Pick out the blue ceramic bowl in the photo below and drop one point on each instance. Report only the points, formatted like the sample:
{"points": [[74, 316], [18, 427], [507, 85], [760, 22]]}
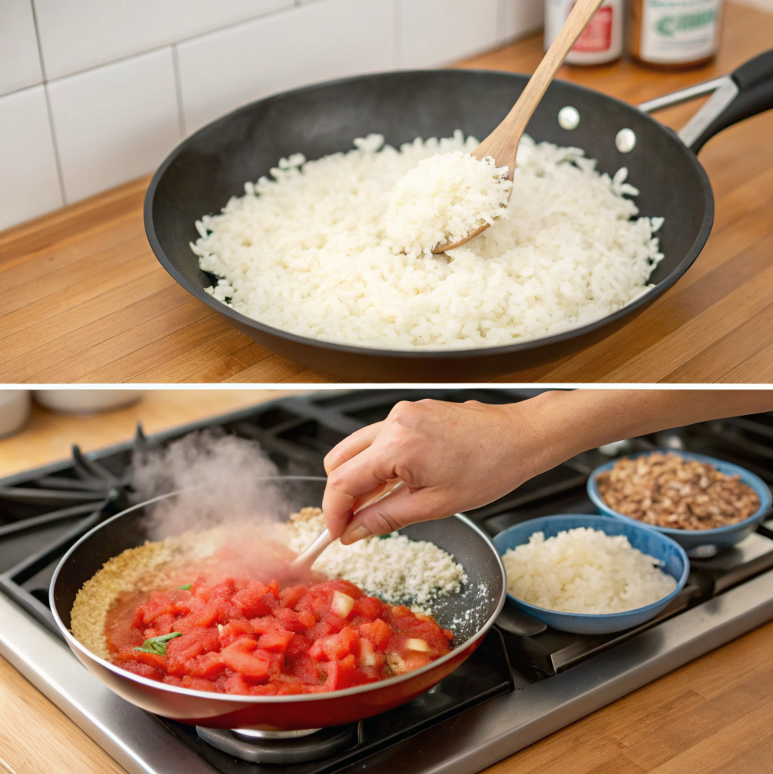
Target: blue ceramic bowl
{"points": [[695, 540], [672, 555]]}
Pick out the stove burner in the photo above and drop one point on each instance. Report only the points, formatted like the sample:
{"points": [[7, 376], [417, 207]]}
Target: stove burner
{"points": [[286, 747], [248, 734]]}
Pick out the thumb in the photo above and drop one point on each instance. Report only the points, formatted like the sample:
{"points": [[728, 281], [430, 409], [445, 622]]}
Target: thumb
{"points": [[395, 510]]}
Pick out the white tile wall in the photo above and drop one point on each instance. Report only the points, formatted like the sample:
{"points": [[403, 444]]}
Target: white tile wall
{"points": [[78, 34], [114, 123], [29, 183], [323, 40], [520, 17], [124, 76], [19, 57], [433, 32]]}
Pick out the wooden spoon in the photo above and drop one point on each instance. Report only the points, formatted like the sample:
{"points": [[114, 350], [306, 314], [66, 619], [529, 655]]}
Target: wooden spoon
{"points": [[300, 567], [502, 143]]}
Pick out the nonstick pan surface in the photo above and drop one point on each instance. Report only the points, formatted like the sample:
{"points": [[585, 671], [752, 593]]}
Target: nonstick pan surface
{"points": [[469, 614], [212, 165]]}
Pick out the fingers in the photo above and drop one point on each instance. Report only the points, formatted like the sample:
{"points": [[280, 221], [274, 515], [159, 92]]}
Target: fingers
{"points": [[398, 509], [351, 446], [375, 494], [359, 476]]}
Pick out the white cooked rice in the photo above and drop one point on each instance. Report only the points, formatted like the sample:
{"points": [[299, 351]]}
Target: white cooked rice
{"points": [[443, 199], [307, 252], [584, 571]]}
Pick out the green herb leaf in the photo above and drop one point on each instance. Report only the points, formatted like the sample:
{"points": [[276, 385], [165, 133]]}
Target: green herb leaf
{"points": [[186, 587], [157, 645]]}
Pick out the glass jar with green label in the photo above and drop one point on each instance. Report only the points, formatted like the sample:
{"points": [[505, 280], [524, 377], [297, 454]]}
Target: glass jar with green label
{"points": [[675, 33]]}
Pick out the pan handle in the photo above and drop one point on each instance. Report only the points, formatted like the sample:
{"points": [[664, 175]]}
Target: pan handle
{"points": [[746, 92]]}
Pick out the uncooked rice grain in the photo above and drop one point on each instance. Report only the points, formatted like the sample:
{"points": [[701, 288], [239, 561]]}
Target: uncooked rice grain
{"points": [[584, 571], [394, 567]]}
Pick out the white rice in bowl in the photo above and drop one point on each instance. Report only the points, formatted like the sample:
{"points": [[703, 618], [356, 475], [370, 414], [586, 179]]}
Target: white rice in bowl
{"points": [[585, 571], [307, 251]]}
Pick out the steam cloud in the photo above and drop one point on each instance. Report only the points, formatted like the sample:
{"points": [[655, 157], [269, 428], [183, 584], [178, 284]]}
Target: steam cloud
{"points": [[219, 480]]}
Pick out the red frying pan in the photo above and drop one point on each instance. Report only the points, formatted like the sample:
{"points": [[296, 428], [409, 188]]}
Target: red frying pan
{"points": [[469, 614]]}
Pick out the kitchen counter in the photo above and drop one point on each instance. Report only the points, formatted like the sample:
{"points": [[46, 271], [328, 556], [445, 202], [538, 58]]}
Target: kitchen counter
{"points": [[86, 300], [714, 714]]}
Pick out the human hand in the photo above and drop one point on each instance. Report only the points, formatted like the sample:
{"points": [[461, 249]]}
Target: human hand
{"points": [[451, 457]]}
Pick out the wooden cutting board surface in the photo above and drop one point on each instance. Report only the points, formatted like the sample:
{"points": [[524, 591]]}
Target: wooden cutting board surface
{"points": [[713, 715], [86, 300]]}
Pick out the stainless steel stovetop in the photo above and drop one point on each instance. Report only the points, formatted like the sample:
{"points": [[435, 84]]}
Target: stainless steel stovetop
{"points": [[523, 684]]}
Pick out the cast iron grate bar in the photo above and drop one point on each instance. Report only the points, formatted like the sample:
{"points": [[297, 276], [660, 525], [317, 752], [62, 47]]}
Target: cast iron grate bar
{"points": [[35, 522]]}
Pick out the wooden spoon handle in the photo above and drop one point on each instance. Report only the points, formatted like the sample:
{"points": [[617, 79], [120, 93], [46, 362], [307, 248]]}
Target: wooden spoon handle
{"points": [[502, 143]]}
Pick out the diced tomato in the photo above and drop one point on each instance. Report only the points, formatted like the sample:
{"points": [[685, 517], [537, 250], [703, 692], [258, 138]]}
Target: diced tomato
{"points": [[197, 684], [290, 596], [297, 646], [367, 607], [235, 683], [157, 605], [336, 646], [209, 665], [234, 629], [255, 600], [193, 644], [150, 659], [308, 670], [250, 667], [295, 621], [343, 674], [241, 636], [164, 624], [142, 669], [377, 632], [276, 641], [266, 624]]}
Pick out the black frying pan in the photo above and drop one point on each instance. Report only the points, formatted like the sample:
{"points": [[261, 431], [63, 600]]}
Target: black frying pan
{"points": [[469, 614], [204, 171]]}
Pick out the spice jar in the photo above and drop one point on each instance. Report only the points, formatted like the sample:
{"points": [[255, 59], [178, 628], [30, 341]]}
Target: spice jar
{"points": [[602, 40], [674, 34]]}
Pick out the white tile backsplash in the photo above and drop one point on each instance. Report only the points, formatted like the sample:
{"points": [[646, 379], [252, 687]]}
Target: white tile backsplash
{"points": [[319, 41], [114, 123], [125, 78], [434, 32], [29, 184], [520, 17], [19, 56], [78, 34]]}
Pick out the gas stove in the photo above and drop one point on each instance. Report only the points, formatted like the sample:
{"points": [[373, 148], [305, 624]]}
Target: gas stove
{"points": [[525, 681]]}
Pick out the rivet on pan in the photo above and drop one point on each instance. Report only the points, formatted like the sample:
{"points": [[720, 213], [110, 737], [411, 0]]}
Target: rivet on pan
{"points": [[568, 118], [625, 140]]}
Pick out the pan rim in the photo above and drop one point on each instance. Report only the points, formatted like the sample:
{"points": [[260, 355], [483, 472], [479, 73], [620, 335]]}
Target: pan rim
{"points": [[649, 295], [241, 700]]}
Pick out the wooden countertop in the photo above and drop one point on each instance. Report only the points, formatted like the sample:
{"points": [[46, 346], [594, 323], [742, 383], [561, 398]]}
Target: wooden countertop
{"points": [[714, 715], [86, 300]]}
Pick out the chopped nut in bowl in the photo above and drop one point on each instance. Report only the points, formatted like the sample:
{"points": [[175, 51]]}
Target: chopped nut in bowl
{"points": [[699, 501]]}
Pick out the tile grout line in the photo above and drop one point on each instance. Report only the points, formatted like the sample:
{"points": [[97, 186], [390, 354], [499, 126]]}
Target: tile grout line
{"points": [[162, 46], [178, 87], [49, 111]]}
